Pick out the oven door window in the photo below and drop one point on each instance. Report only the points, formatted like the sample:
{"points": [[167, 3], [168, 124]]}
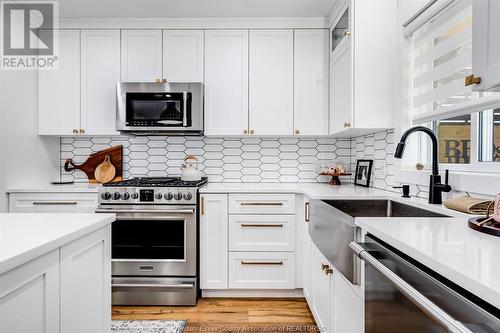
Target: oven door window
{"points": [[140, 239], [158, 109]]}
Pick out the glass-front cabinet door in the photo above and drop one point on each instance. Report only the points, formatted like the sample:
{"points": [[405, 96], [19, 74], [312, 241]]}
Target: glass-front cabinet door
{"points": [[341, 29]]}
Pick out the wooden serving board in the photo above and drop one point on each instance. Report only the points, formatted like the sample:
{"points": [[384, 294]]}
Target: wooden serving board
{"points": [[89, 166]]}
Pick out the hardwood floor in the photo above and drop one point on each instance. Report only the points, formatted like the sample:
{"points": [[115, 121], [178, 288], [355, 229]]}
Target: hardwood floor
{"points": [[230, 315]]}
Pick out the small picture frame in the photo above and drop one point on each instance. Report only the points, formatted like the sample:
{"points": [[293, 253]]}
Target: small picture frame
{"points": [[363, 173]]}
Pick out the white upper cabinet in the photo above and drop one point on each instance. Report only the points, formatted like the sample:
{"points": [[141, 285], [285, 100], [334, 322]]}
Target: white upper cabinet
{"points": [[271, 82], [311, 82], [141, 55], [486, 43], [59, 90], [100, 71], [341, 117], [364, 55], [226, 82], [183, 55]]}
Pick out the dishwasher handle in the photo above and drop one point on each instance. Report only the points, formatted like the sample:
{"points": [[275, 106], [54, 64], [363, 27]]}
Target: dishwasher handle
{"points": [[422, 302]]}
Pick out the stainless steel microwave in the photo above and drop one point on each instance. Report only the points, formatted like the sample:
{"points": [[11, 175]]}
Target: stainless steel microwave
{"points": [[160, 108]]}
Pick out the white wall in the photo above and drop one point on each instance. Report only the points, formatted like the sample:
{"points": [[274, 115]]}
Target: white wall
{"points": [[25, 158]]}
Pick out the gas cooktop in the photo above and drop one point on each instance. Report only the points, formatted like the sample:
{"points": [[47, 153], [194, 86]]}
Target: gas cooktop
{"points": [[158, 182]]}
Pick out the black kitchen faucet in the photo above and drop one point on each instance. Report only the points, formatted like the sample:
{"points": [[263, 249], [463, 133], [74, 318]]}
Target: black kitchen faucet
{"points": [[435, 186]]}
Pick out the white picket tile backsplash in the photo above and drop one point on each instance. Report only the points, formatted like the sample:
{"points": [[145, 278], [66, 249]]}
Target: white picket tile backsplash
{"points": [[221, 159]]}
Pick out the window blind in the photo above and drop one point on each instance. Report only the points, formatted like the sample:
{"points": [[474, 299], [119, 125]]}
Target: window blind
{"points": [[441, 58]]}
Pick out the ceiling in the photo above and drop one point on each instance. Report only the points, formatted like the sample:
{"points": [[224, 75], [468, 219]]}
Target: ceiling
{"points": [[193, 8]]}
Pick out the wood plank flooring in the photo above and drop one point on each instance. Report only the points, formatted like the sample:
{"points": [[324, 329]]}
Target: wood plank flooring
{"points": [[230, 315]]}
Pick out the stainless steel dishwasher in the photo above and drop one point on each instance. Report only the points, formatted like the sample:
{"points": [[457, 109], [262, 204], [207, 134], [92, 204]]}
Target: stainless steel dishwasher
{"points": [[332, 227], [402, 295]]}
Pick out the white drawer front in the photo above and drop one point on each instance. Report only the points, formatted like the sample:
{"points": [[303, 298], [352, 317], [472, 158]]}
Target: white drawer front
{"points": [[52, 202], [259, 270], [261, 204], [262, 233]]}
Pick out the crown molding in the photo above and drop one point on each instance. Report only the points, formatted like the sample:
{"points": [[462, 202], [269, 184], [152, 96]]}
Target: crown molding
{"points": [[196, 23]]}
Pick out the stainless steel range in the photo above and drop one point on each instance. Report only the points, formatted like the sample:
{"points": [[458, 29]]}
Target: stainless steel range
{"points": [[154, 240]]}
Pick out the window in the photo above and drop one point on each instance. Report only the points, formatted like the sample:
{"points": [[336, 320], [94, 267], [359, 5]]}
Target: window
{"points": [[454, 135], [467, 123]]}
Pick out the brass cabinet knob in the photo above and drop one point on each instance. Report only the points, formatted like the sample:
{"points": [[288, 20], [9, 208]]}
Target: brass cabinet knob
{"points": [[328, 271], [82, 131], [324, 266], [75, 131], [347, 125], [164, 80], [252, 131], [245, 131], [347, 33], [158, 80], [297, 131], [471, 79]]}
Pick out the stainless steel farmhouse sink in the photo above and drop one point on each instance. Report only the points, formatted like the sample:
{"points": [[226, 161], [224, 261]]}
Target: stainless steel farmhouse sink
{"points": [[332, 226], [380, 208]]}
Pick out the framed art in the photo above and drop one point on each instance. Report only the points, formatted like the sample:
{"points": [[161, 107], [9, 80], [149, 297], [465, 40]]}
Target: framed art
{"points": [[363, 173]]}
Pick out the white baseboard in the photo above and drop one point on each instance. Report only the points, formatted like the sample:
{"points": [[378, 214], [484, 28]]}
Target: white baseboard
{"points": [[252, 293]]}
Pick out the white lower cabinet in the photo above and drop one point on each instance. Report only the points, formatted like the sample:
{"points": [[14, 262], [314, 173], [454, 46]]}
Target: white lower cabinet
{"points": [[262, 232], [261, 270], [335, 303], [52, 202], [347, 307], [29, 296], [86, 283], [321, 304], [213, 241], [66, 290]]}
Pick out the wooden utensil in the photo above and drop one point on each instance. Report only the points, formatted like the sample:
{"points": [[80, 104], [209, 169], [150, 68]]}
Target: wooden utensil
{"points": [[94, 160], [105, 172]]}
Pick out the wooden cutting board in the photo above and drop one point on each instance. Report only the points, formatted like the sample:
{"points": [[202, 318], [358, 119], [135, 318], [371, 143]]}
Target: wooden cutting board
{"points": [[89, 166]]}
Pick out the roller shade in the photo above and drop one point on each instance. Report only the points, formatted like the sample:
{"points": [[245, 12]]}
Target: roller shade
{"points": [[441, 58]]}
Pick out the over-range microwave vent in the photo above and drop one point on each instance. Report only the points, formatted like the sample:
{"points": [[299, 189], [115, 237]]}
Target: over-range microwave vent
{"points": [[165, 108]]}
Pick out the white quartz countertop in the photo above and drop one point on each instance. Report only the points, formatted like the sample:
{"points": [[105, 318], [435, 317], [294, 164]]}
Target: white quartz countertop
{"points": [[448, 246], [49, 188], [23, 237], [311, 190]]}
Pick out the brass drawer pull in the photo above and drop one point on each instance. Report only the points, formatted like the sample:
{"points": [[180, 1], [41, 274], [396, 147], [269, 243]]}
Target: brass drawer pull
{"points": [[262, 225], [264, 263], [307, 212], [262, 204], [42, 203]]}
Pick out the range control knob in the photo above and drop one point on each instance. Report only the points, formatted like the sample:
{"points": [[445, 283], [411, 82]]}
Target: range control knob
{"points": [[116, 196], [178, 196], [106, 196], [187, 196], [158, 196], [168, 196], [125, 196], [135, 195]]}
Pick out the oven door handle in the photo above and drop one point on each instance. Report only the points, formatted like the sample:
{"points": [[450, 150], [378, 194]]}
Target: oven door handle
{"points": [[152, 285], [422, 302], [131, 211]]}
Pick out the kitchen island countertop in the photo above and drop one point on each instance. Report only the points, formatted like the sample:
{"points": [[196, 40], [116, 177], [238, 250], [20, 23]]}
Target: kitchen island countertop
{"points": [[25, 236]]}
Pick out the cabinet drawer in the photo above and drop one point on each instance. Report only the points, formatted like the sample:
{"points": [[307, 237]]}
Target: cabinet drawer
{"points": [[52, 202], [262, 233], [259, 270], [261, 204]]}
